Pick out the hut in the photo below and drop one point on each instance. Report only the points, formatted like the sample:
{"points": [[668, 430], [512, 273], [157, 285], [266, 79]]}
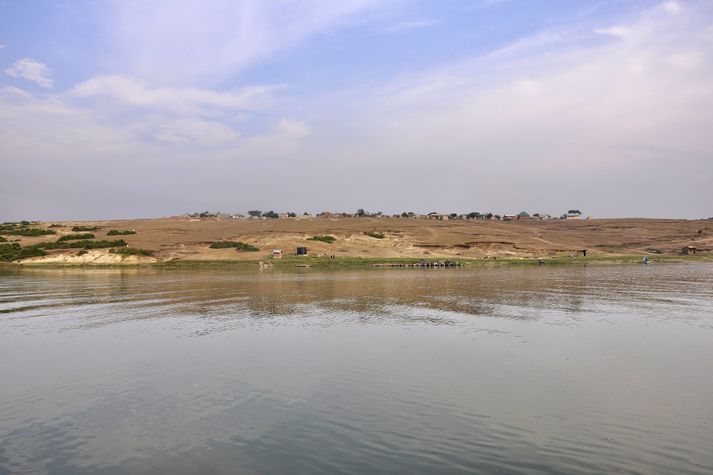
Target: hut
{"points": [[582, 252], [301, 251], [689, 250]]}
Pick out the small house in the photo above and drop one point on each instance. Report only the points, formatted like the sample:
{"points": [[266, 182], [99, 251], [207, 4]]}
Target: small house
{"points": [[277, 254], [437, 216], [301, 251], [689, 250]]}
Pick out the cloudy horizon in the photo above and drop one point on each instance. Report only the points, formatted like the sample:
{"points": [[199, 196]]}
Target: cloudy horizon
{"points": [[128, 109]]}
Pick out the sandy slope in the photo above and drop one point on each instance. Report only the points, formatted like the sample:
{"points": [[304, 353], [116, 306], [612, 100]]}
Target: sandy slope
{"points": [[188, 239]]}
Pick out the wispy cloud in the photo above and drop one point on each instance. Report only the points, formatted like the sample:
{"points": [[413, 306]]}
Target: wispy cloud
{"points": [[126, 92], [31, 70], [182, 41]]}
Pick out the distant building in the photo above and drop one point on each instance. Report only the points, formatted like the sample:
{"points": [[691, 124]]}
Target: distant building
{"points": [[689, 250], [522, 215], [301, 251], [573, 214], [277, 254], [437, 216]]}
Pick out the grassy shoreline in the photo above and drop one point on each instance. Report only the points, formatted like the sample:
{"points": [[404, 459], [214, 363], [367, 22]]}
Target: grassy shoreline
{"points": [[312, 262]]}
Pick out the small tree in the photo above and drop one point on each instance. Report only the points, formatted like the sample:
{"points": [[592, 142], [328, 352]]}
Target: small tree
{"points": [[255, 213], [360, 212], [291, 215], [271, 214]]}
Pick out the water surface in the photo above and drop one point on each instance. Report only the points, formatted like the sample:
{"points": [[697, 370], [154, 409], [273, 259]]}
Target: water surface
{"points": [[596, 369]]}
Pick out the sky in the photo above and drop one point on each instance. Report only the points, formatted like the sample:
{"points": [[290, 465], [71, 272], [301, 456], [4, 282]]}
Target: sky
{"points": [[127, 109]]}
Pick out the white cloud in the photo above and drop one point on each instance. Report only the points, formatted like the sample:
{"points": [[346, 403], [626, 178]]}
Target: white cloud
{"points": [[31, 70], [671, 7], [195, 132], [126, 92], [2, 45], [293, 127], [183, 41], [613, 31]]}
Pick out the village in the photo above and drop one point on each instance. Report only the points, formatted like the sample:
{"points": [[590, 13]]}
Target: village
{"points": [[435, 216]]}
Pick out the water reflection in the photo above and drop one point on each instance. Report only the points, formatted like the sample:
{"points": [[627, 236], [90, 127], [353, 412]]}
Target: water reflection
{"points": [[510, 370]]}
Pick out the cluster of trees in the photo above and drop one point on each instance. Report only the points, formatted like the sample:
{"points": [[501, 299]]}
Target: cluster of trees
{"points": [[269, 214]]}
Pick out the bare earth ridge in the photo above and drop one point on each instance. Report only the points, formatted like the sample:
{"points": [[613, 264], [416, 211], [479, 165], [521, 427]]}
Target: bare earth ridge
{"points": [[187, 239]]}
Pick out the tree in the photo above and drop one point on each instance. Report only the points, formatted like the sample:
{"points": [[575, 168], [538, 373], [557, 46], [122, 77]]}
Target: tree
{"points": [[292, 215], [453, 215], [271, 214], [255, 213], [360, 212]]}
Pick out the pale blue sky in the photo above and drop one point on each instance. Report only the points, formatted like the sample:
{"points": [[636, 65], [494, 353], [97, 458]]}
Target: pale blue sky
{"points": [[138, 108]]}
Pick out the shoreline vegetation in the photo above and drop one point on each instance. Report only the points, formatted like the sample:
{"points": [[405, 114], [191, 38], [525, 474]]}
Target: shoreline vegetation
{"points": [[356, 242], [357, 262]]}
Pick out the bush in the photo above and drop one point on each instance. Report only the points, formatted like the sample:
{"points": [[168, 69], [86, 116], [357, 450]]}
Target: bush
{"points": [[29, 232], [13, 252], [116, 232], [74, 237], [131, 251], [82, 244], [223, 244], [79, 229], [376, 235], [243, 246], [240, 246], [327, 239], [2, 239]]}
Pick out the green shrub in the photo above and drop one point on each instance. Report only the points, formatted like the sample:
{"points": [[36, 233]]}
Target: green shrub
{"points": [[327, 239], [223, 244], [2, 239], [81, 244], [240, 246], [56, 225], [116, 232], [13, 252], [131, 251], [243, 246], [79, 229], [29, 232], [74, 237], [375, 234]]}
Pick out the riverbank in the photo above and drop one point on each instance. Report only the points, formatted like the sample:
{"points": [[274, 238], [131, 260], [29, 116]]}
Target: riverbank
{"points": [[351, 242], [314, 262]]}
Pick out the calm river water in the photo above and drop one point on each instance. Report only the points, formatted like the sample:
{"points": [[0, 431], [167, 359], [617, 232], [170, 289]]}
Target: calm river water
{"points": [[597, 369]]}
